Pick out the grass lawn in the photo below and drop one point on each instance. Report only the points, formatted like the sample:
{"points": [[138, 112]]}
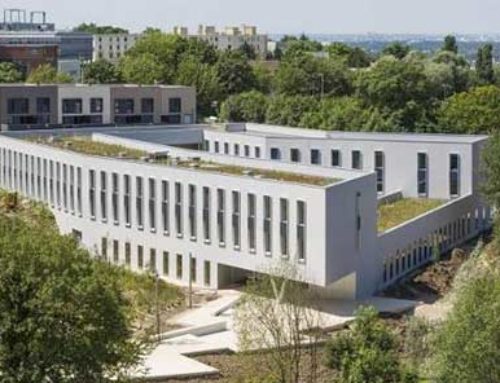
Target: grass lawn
{"points": [[393, 214]]}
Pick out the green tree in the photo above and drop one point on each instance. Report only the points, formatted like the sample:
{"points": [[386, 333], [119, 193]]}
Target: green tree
{"points": [[100, 72], [491, 169], [245, 107], [289, 110], [94, 29], [63, 317], [397, 50], [143, 69], [248, 51], [484, 65], [450, 44], [9, 73], [467, 347], [47, 74], [472, 112], [235, 73], [368, 353], [306, 75], [354, 57]]}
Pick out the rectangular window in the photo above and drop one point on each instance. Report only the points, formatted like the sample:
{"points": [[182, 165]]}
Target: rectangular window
{"points": [[147, 106], [206, 214], [179, 266], [226, 148], [104, 195], [72, 106], [58, 184], [206, 273], [114, 198], [166, 264], [92, 193], [51, 185], [64, 185], [152, 260], [192, 211], [216, 147], [357, 160], [315, 157], [104, 248], [275, 154], [247, 150], [96, 105], [127, 199], [128, 257], [124, 106], [178, 209], [268, 225], [79, 191], [116, 251], [295, 155], [221, 216], [174, 105], [379, 169], [152, 204], [257, 152], [236, 149], [140, 257], [18, 106], [236, 219], [422, 174], [301, 231], [165, 207], [454, 175], [336, 158], [71, 188], [139, 202], [43, 105], [284, 236], [193, 269], [252, 210]]}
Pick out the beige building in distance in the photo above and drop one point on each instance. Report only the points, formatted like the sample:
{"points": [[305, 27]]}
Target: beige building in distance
{"points": [[230, 38], [112, 47]]}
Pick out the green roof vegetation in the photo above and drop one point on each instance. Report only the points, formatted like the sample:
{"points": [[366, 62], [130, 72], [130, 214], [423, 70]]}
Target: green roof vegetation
{"points": [[393, 214], [85, 145]]}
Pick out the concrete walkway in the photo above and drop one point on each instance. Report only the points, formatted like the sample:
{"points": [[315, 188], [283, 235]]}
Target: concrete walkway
{"points": [[208, 329]]}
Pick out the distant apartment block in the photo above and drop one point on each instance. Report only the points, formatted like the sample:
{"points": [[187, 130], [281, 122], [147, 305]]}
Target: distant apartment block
{"points": [[231, 38], [29, 106], [112, 47]]}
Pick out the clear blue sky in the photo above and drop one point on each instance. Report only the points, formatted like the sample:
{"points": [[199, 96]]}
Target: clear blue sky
{"points": [[281, 16]]}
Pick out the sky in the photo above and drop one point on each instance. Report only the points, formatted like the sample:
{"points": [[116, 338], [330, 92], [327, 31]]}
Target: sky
{"points": [[279, 16]]}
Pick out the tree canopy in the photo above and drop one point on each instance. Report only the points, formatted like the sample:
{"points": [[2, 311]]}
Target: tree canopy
{"points": [[9, 73], [47, 74], [95, 29]]}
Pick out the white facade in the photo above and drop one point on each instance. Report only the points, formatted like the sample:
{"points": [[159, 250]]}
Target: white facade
{"points": [[112, 47], [141, 214]]}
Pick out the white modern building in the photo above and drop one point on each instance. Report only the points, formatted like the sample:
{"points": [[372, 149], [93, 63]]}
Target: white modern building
{"points": [[215, 204], [112, 47], [230, 38]]}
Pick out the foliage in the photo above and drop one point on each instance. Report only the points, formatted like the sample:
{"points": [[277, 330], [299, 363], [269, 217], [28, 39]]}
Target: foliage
{"points": [[142, 69], [289, 111], [354, 57], [467, 347], [450, 44], [101, 72], [293, 46], [419, 337], [47, 74], [94, 29], [249, 106], [62, 315], [472, 112], [397, 49], [309, 76], [273, 315], [484, 65], [367, 353], [248, 51], [491, 169], [9, 73], [234, 72]]}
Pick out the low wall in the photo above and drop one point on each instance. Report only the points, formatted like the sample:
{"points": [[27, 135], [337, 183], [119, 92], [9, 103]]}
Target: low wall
{"points": [[406, 247]]}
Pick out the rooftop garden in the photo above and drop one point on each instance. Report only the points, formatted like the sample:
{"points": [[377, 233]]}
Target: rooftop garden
{"points": [[85, 145], [395, 213]]}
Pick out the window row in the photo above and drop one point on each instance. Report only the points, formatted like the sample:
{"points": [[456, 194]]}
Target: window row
{"points": [[234, 149]]}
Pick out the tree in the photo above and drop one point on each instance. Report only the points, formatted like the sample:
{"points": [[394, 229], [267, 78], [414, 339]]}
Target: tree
{"points": [[248, 51], [9, 73], [289, 111], [94, 29], [309, 76], [100, 72], [397, 50], [491, 169], [47, 74], [277, 314], [450, 44], [234, 72], [473, 112], [143, 69], [484, 65], [467, 347], [245, 107], [62, 315], [354, 57], [367, 353]]}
